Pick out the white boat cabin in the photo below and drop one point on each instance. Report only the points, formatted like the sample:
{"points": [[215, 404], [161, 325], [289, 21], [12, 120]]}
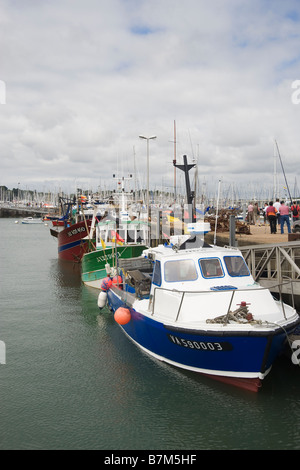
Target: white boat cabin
{"points": [[194, 285], [209, 268]]}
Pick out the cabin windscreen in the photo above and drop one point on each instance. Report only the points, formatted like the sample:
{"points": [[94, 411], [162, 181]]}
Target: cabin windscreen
{"points": [[181, 270], [236, 266], [211, 267]]}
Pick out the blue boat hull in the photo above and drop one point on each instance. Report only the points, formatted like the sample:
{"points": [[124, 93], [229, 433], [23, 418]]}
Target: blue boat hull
{"points": [[242, 359]]}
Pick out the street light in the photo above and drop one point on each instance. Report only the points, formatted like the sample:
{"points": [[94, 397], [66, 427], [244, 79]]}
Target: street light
{"points": [[147, 138]]}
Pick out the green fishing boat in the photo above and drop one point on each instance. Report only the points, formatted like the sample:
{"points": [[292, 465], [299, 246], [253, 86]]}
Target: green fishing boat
{"points": [[126, 239]]}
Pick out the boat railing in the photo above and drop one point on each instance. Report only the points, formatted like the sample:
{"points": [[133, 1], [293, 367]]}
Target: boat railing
{"points": [[176, 302]]}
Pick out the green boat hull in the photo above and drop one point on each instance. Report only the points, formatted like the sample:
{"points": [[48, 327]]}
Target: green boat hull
{"points": [[93, 264]]}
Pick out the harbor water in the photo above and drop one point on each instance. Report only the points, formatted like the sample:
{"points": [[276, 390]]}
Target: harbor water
{"points": [[73, 380]]}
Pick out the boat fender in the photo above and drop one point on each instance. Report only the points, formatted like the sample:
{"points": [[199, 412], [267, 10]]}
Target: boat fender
{"points": [[117, 280], [106, 284], [102, 298], [122, 316]]}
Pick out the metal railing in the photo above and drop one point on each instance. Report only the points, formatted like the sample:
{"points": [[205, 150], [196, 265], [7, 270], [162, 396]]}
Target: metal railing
{"points": [[268, 263]]}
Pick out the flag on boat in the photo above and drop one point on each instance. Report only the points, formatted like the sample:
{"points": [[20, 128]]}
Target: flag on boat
{"points": [[103, 244], [119, 239]]}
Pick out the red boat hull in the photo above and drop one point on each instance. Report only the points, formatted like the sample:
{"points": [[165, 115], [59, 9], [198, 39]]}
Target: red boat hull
{"points": [[57, 223], [72, 241]]}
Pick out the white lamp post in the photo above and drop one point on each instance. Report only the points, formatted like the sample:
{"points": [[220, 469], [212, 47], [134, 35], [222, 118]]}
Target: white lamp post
{"points": [[147, 138]]}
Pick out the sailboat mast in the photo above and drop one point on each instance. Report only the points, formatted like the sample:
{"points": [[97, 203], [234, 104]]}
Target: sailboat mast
{"points": [[174, 161], [287, 186], [275, 175]]}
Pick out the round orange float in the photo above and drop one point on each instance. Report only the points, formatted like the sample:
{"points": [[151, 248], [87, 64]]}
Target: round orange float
{"points": [[122, 315], [117, 281]]}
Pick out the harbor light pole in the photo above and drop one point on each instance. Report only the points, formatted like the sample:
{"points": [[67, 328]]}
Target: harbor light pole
{"points": [[147, 138]]}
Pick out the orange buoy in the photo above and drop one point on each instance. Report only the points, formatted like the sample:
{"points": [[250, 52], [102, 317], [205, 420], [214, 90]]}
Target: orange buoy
{"points": [[122, 315], [117, 281], [106, 284]]}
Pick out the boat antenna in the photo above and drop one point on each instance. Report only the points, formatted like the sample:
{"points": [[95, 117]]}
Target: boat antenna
{"points": [[174, 161], [189, 194], [287, 186]]}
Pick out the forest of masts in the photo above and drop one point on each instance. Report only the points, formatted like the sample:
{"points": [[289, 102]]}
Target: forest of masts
{"points": [[226, 195]]}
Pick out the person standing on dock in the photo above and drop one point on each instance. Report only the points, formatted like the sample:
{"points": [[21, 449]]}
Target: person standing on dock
{"points": [[256, 211], [295, 211], [265, 214], [284, 217], [271, 214], [250, 214], [277, 206]]}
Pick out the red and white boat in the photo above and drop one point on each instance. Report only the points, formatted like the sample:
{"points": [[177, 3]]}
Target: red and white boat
{"points": [[74, 241], [74, 238]]}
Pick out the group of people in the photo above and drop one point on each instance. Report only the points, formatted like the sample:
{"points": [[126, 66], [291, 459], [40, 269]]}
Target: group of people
{"points": [[277, 214], [253, 213]]}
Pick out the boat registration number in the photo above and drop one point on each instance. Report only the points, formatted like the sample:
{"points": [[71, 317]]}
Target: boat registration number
{"points": [[201, 345], [75, 231]]}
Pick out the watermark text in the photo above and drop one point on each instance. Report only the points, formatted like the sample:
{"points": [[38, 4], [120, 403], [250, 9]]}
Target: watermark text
{"points": [[296, 353], [296, 94]]}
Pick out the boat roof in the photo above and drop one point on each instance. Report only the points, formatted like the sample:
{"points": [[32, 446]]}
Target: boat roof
{"points": [[171, 251]]}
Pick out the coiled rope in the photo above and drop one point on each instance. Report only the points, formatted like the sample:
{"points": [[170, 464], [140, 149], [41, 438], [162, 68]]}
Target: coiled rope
{"points": [[240, 315]]}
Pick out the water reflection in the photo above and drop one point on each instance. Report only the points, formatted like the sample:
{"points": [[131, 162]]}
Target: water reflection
{"points": [[65, 274]]}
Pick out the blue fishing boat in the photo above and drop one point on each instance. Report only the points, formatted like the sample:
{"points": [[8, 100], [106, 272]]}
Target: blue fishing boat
{"points": [[200, 309], [196, 306]]}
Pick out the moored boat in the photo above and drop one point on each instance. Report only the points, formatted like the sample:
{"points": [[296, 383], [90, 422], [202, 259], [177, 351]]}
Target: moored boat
{"points": [[31, 220], [119, 235], [74, 238], [114, 241], [74, 241], [58, 223], [200, 309], [196, 306]]}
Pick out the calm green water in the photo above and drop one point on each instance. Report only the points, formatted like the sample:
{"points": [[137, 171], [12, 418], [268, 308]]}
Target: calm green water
{"points": [[72, 380]]}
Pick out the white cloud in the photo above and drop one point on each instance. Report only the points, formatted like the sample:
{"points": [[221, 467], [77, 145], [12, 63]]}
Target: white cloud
{"points": [[84, 79]]}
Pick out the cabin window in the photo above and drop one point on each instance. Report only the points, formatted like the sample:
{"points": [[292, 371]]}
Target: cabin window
{"points": [[211, 267], [156, 277], [182, 270], [236, 266]]}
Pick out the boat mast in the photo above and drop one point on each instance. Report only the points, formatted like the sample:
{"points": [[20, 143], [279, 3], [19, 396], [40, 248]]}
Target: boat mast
{"points": [[275, 176], [189, 194], [174, 162], [287, 186]]}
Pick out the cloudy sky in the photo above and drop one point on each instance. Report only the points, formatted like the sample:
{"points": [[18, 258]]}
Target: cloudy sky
{"points": [[82, 79]]}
